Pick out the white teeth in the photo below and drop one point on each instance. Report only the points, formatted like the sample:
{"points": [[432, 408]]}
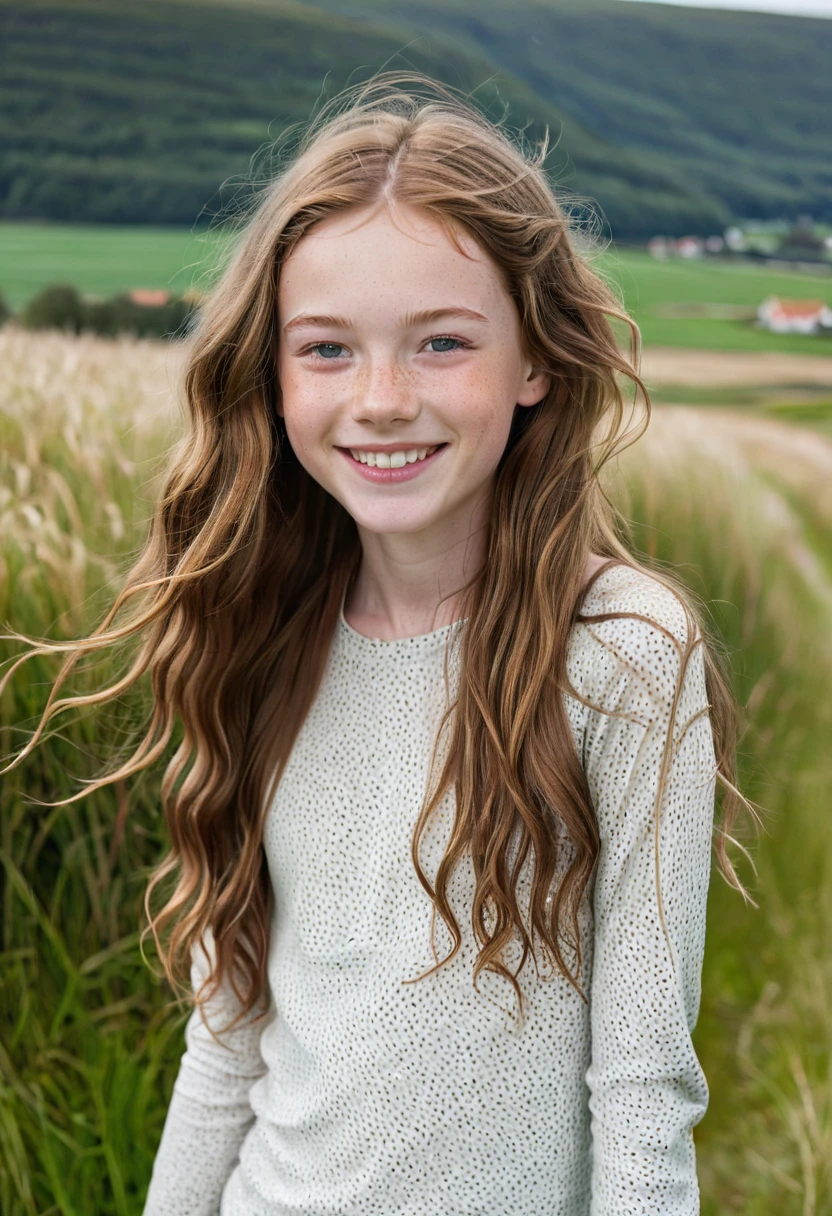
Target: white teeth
{"points": [[391, 460]]}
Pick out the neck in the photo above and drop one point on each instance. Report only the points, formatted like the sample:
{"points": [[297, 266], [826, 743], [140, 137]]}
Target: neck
{"points": [[408, 585]]}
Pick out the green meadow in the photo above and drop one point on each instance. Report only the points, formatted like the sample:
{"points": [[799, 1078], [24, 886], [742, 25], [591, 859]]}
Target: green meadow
{"points": [[739, 501], [671, 301], [100, 259]]}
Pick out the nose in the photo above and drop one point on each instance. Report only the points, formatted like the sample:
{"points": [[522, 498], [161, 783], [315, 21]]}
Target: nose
{"points": [[384, 392]]}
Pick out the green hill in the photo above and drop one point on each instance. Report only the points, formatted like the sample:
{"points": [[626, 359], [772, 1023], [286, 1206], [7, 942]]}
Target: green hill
{"points": [[150, 111], [737, 104]]}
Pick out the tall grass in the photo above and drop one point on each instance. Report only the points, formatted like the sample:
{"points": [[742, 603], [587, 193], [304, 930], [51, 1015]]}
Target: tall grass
{"points": [[90, 1043], [744, 506], [88, 1054]]}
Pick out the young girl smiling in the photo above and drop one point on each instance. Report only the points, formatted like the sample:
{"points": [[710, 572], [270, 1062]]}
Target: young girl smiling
{"points": [[442, 814]]}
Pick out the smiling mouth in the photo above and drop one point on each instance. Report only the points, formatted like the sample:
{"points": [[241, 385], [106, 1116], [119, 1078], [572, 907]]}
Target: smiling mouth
{"points": [[394, 459]]}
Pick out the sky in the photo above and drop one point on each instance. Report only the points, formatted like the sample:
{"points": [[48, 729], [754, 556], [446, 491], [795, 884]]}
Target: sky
{"points": [[795, 8]]}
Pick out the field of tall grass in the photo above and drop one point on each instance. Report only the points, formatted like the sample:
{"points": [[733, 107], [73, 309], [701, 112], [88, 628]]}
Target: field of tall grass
{"points": [[90, 1046]]}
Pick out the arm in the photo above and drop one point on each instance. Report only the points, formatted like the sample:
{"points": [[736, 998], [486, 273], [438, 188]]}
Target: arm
{"points": [[647, 1087], [209, 1112]]}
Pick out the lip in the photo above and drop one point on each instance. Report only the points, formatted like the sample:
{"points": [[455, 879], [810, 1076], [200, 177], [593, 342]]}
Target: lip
{"points": [[385, 447], [389, 476]]}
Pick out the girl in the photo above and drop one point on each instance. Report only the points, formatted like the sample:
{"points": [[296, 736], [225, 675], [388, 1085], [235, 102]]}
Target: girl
{"points": [[419, 673]]}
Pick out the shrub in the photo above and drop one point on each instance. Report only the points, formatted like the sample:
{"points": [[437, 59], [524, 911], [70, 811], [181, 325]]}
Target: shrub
{"points": [[120, 314], [58, 306]]}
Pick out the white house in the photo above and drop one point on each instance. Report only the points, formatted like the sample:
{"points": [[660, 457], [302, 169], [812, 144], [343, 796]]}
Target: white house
{"points": [[659, 247], [794, 316]]}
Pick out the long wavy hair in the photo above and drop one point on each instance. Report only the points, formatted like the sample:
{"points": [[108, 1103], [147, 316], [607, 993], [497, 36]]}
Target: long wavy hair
{"points": [[234, 597]]}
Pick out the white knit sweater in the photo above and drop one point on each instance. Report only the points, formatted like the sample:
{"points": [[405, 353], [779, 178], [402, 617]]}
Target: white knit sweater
{"points": [[359, 1095]]}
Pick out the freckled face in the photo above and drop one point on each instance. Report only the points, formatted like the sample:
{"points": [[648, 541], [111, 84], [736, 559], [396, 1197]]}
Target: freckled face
{"points": [[377, 374]]}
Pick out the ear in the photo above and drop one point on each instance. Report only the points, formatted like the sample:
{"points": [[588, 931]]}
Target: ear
{"points": [[535, 386]]}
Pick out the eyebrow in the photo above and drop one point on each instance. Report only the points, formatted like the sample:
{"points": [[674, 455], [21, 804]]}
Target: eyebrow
{"points": [[426, 316]]}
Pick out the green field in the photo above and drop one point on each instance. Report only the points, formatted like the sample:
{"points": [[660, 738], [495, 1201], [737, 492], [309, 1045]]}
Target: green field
{"points": [[653, 288], [104, 260], [99, 260]]}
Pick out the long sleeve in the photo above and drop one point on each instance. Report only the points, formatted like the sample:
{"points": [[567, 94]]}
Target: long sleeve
{"points": [[647, 1089], [209, 1112]]}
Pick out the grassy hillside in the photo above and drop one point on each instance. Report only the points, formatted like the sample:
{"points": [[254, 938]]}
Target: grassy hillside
{"points": [[676, 303], [156, 113], [736, 102], [149, 111]]}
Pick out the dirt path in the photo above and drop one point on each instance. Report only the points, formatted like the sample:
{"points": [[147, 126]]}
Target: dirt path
{"points": [[724, 368]]}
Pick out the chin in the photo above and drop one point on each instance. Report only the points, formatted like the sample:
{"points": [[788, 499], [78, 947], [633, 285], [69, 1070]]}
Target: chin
{"points": [[384, 522]]}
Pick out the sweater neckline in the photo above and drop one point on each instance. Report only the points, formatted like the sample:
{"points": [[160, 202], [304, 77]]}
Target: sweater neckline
{"points": [[421, 641], [416, 642]]}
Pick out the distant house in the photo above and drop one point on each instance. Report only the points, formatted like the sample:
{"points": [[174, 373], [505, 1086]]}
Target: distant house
{"points": [[148, 297], [794, 316], [663, 247], [659, 247], [689, 247]]}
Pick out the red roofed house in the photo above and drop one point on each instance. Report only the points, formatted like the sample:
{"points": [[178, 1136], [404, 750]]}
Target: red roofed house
{"points": [[794, 316], [148, 297], [690, 247]]}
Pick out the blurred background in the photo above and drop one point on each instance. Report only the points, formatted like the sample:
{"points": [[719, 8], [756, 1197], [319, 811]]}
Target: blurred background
{"points": [[693, 144]]}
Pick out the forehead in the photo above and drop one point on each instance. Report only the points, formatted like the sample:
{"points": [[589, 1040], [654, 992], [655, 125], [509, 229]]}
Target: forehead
{"points": [[382, 252]]}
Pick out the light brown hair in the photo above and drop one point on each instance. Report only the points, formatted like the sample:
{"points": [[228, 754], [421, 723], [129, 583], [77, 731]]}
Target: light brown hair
{"points": [[236, 593]]}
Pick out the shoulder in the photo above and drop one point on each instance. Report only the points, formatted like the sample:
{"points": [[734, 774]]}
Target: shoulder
{"points": [[634, 635], [622, 592]]}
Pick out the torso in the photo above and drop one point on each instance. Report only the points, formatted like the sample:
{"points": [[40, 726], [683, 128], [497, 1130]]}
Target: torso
{"points": [[380, 1095]]}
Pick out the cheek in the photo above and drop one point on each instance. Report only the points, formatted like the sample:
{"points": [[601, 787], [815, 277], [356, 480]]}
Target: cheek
{"points": [[303, 405], [294, 382], [486, 408], [491, 443], [306, 429]]}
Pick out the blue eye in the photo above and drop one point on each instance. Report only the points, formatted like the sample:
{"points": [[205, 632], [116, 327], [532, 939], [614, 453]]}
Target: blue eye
{"points": [[316, 351], [447, 351], [318, 346]]}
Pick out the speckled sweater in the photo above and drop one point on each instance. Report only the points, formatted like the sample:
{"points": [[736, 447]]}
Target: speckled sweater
{"points": [[360, 1095]]}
